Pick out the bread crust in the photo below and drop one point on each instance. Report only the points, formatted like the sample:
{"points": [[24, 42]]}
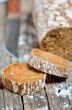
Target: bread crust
{"points": [[48, 66], [23, 88], [52, 19]]}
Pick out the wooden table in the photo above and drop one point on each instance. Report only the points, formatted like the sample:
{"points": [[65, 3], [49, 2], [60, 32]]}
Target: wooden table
{"points": [[57, 94]]}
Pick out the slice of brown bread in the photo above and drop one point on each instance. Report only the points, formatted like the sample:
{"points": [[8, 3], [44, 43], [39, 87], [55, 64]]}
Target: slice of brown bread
{"points": [[49, 63], [22, 79]]}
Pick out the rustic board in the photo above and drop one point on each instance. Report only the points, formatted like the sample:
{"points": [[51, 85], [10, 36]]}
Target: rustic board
{"points": [[1, 100], [36, 101], [69, 88], [17, 103], [8, 99], [59, 93]]}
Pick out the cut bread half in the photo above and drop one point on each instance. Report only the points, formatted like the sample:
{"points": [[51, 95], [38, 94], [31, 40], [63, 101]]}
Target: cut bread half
{"points": [[23, 79], [50, 63]]}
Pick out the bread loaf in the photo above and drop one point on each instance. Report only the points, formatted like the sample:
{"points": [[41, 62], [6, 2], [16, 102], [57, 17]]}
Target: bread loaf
{"points": [[23, 79], [53, 21], [50, 63]]}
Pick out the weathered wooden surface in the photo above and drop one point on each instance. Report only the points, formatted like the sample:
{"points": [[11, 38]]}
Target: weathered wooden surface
{"points": [[36, 101], [1, 100], [57, 95]]}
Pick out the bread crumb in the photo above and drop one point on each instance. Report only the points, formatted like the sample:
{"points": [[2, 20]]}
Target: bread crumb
{"points": [[11, 73]]}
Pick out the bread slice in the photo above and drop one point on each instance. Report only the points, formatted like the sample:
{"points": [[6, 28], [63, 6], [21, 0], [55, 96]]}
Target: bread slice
{"points": [[49, 63], [22, 79]]}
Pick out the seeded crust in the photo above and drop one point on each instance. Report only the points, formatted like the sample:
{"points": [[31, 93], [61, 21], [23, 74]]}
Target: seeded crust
{"points": [[22, 79], [50, 63]]}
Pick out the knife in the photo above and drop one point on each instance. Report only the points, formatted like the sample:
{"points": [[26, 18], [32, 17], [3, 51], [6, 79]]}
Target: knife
{"points": [[11, 36]]}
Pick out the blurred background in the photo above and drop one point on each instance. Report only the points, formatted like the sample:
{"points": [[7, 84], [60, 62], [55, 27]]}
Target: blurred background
{"points": [[17, 27]]}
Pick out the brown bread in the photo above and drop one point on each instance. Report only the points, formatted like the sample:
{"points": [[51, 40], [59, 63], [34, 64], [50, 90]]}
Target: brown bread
{"points": [[50, 63], [23, 79], [53, 21]]}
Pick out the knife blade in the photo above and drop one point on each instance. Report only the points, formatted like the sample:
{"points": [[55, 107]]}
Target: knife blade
{"points": [[11, 36]]}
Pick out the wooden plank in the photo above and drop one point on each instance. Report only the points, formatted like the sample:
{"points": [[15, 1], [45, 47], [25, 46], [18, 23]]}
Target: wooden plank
{"points": [[36, 101], [69, 89], [58, 94], [12, 101], [8, 100], [17, 102], [1, 100], [53, 100], [63, 97]]}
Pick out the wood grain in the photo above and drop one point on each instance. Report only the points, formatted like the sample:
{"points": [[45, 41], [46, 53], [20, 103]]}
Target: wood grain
{"points": [[1, 100], [69, 88], [36, 101], [17, 103], [58, 95], [8, 99]]}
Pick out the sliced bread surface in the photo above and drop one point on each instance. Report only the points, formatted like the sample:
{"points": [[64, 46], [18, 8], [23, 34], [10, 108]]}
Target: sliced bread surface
{"points": [[22, 79], [50, 63]]}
